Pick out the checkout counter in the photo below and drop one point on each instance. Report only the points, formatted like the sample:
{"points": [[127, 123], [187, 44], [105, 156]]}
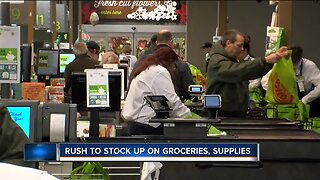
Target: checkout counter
{"points": [[284, 154], [287, 151]]}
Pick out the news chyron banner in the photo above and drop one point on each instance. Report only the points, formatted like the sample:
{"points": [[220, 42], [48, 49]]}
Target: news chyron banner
{"points": [[142, 152]]}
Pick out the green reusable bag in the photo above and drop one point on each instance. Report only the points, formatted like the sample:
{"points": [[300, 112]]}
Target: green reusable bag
{"points": [[315, 124], [282, 88], [197, 77], [283, 111], [303, 110], [89, 170], [282, 93], [293, 112], [256, 97], [211, 130], [194, 116]]}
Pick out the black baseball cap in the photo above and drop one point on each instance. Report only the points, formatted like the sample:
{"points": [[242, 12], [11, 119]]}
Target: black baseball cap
{"points": [[206, 45]]}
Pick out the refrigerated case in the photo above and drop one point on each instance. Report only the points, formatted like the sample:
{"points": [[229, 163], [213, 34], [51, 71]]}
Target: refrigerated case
{"points": [[114, 37]]}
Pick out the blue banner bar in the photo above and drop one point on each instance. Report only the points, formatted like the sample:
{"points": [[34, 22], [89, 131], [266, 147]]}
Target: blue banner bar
{"points": [[142, 152], [166, 152], [40, 152]]}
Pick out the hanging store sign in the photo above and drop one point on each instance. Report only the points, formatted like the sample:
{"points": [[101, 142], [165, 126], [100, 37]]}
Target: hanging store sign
{"points": [[18, 14], [132, 10], [97, 88], [62, 22], [43, 15], [9, 54]]}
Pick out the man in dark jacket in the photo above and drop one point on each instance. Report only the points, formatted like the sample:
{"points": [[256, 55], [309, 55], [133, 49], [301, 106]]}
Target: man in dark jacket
{"points": [[182, 76], [12, 140], [229, 78], [82, 62], [150, 50]]}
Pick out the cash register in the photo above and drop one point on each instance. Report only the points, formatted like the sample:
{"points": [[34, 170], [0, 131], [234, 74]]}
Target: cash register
{"points": [[181, 127], [196, 92], [160, 104]]}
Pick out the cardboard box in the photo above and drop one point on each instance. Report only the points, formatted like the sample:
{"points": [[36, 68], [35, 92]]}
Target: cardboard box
{"points": [[33, 91]]}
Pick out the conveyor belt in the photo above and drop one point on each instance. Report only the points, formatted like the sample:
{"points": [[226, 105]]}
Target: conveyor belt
{"points": [[261, 123], [276, 134]]}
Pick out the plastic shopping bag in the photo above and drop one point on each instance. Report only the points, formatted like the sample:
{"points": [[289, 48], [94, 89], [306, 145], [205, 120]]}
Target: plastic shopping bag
{"points": [[282, 88], [197, 76]]}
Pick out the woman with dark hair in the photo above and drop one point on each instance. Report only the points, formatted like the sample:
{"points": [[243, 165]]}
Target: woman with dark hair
{"points": [[151, 77]]}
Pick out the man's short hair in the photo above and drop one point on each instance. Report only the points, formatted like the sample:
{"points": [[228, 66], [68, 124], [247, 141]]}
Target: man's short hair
{"points": [[93, 45], [246, 44], [80, 48], [297, 52], [230, 35], [109, 57], [206, 45], [164, 37]]}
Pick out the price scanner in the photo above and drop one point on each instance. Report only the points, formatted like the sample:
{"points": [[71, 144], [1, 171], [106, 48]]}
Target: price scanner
{"points": [[160, 104]]}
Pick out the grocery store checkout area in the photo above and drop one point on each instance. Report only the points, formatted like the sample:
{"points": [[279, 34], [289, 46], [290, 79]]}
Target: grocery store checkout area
{"points": [[287, 151]]}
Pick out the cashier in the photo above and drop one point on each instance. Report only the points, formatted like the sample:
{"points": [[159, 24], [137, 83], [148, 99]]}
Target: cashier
{"points": [[151, 77]]}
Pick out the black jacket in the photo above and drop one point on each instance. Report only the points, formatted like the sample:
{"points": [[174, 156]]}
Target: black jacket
{"points": [[182, 76], [81, 63]]}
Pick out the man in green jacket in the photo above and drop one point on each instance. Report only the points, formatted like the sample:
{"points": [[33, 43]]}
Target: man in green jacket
{"points": [[229, 78]]}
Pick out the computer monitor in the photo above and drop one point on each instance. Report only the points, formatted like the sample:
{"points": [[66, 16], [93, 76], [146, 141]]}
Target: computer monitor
{"points": [[24, 113], [79, 91], [126, 74], [25, 54], [125, 60], [121, 71], [47, 62], [66, 57], [212, 101], [195, 90], [22, 116]]}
